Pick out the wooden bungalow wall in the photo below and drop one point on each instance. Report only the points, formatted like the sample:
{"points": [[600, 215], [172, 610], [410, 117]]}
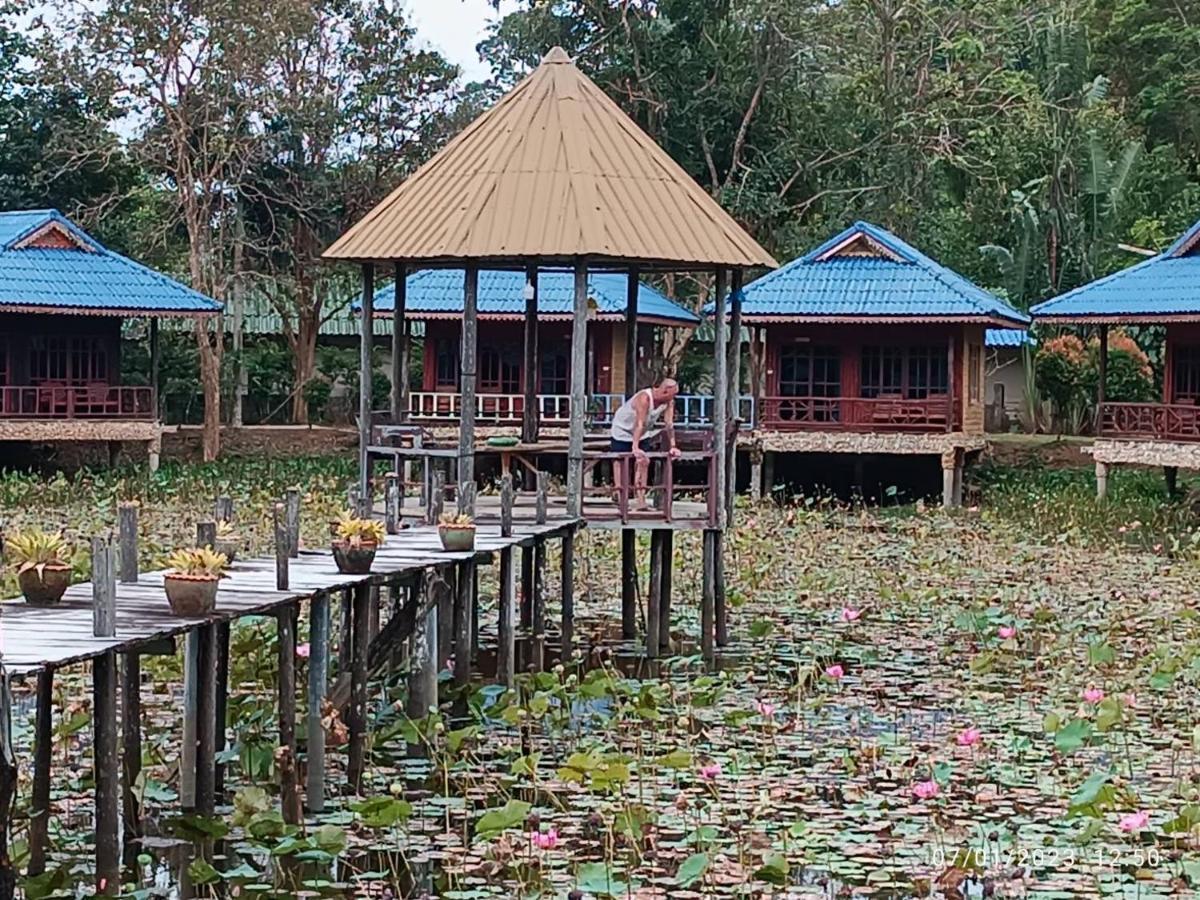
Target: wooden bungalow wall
{"points": [[20, 331], [1183, 342]]}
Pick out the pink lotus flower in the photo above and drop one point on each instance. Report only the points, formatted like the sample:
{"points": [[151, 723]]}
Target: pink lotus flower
{"points": [[302, 651], [765, 708], [1134, 821], [850, 614], [926, 790], [1131, 699], [544, 841], [1006, 632], [969, 737], [1093, 695], [835, 671], [709, 771]]}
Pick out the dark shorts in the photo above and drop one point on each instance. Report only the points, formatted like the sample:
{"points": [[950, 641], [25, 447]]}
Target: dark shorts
{"points": [[619, 446]]}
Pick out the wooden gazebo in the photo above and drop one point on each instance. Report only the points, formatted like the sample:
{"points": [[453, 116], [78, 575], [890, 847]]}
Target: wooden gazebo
{"points": [[555, 176]]}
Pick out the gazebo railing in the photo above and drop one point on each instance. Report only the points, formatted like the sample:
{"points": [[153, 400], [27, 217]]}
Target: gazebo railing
{"points": [[1150, 421], [67, 401]]}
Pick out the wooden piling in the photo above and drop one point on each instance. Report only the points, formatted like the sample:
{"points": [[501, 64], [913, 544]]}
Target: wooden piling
{"points": [[131, 749], [527, 589], [8, 789], [345, 631], [282, 547], [366, 334], [654, 601], [579, 387], [391, 503], [467, 374], [292, 508], [530, 413], [223, 509], [437, 502], [285, 756], [318, 674], [538, 636], [629, 576], [206, 721], [542, 500], [668, 576], [466, 498], [104, 589], [708, 596], [423, 669], [443, 591], [222, 630], [107, 768], [567, 590], [720, 609], [127, 531], [464, 604], [506, 649], [356, 721], [43, 750], [191, 714]]}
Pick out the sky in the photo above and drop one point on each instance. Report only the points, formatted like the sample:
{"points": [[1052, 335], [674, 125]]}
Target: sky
{"points": [[454, 27]]}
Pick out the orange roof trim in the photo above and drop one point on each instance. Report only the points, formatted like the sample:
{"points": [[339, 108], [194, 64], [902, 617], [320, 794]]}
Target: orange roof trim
{"points": [[555, 171]]}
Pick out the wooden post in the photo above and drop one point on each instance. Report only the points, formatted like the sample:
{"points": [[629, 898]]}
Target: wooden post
{"points": [[470, 339], [391, 503], [567, 588], [285, 756], [206, 722], [282, 545], [721, 610], [400, 364], [734, 401], [443, 590], [527, 590], [668, 577], [543, 500], [223, 509], [423, 669], [206, 534], [191, 715], [466, 498], [131, 746], [708, 596], [107, 768], [104, 589], [506, 650], [1102, 380], [292, 504], [437, 501], [629, 575], [955, 377], [720, 393], [464, 603], [579, 388], [43, 749], [632, 291], [318, 673], [506, 506], [531, 412], [538, 642], [221, 632], [1171, 475], [654, 603], [127, 531], [356, 720], [366, 334]]}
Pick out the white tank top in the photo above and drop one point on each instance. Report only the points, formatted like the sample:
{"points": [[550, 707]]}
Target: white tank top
{"points": [[625, 418]]}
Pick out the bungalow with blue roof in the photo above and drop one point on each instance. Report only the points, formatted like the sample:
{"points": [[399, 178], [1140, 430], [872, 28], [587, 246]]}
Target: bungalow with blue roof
{"points": [[63, 298], [435, 298], [1165, 291], [866, 345]]}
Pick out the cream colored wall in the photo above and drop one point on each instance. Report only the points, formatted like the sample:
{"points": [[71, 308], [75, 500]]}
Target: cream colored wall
{"points": [[974, 384]]}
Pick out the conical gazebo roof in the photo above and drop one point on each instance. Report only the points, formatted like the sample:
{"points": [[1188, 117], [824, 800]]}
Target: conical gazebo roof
{"points": [[554, 172]]}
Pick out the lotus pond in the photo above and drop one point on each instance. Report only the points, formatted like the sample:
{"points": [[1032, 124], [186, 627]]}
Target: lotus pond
{"points": [[916, 704]]}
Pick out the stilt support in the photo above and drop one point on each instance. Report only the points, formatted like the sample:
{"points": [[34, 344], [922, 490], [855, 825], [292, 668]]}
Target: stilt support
{"points": [[318, 675], [1101, 480], [629, 579], [285, 756], [506, 651], [356, 721], [43, 749], [568, 596], [107, 768]]}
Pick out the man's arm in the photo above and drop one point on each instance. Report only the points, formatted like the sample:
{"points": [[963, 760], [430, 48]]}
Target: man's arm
{"points": [[641, 409], [669, 428]]}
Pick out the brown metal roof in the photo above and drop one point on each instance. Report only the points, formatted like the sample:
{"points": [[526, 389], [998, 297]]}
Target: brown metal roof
{"points": [[555, 171]]}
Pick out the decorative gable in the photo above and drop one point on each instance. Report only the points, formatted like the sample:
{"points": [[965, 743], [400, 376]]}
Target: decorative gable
{"points": [[53, 236], [860, 245]]}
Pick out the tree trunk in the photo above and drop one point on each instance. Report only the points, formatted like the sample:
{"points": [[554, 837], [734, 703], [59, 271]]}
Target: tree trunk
{"points": [[210, 380], [304, 361]]}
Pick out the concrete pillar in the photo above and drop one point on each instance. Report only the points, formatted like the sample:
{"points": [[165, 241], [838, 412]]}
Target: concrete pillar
{"points": [[154, 451], [756, 477], [952, 478], [947, 486], [1101, 480], [768, 477], [959, 465]]}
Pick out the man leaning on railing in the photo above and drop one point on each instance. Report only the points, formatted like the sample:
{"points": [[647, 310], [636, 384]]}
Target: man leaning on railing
{"points": [[634, 427]]}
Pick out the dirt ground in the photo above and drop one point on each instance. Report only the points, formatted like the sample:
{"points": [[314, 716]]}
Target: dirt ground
{"points": [[263, 440], [1051, 451]]}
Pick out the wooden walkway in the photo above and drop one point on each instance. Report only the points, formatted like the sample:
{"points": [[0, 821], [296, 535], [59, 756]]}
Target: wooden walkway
{"points": [[32, 638]]}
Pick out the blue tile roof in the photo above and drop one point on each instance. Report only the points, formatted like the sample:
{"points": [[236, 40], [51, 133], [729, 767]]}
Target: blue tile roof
{"points": [[439, 292], [1007, 337], [91, 280], [897, 281], [1160, 287]]}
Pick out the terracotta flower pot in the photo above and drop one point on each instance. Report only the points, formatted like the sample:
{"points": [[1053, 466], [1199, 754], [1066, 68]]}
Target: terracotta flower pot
{"points": [[191, 596], [457, 538], [45, 588], [354, 559]]}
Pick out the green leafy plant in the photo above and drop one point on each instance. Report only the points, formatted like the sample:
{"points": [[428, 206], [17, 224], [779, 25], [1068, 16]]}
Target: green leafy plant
{"points": [[456, 520], [360, 531], [198, 562], [36, 549]]}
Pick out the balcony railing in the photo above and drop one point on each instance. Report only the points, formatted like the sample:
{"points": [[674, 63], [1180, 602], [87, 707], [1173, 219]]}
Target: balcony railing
{"points": [[90, 401], [691, 410], [1150, 421], [866, 414]]}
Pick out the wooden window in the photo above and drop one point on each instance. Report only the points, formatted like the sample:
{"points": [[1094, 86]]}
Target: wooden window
{"points": [[808, 371], [70, 360], [975, 373], [4, 363], [913, 373], [555, 374], [446, 363], [1185, 374], [499, 370], [49, 360]]}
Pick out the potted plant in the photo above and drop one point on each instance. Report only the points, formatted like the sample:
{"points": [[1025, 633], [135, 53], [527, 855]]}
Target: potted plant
{"points": [[42, 573], [457, 532], [228, 542], [355, 545], [192, 581]]}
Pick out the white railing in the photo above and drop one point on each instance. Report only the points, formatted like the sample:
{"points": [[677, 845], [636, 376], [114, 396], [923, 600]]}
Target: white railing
{"points": [[691, 410]]}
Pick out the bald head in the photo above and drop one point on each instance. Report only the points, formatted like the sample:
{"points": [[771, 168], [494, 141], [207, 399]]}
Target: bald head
{"points": [[666, 390]]}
